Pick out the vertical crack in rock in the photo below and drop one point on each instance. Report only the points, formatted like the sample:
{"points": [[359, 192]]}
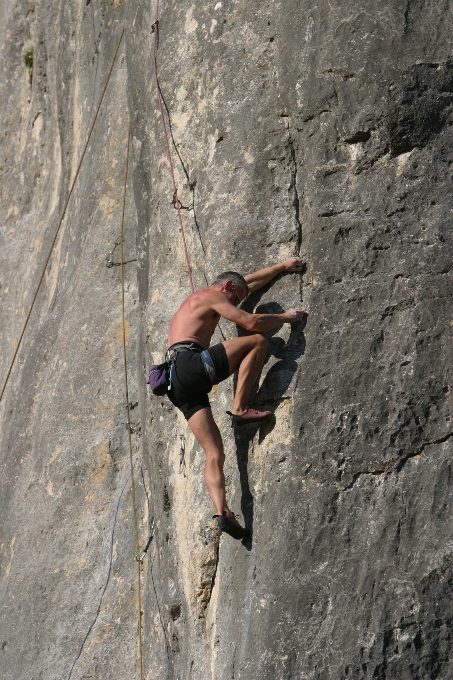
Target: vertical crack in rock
{"points": [[146, 490], [98, 611], [296, 203], [406, 16], [361, 158]]}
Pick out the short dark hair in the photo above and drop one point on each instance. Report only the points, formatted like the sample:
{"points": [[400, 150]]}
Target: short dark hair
{"points": [[237, 279]]}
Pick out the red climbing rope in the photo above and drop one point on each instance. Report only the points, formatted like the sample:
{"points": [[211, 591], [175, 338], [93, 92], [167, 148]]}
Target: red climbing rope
{"points": [[175, 190]]}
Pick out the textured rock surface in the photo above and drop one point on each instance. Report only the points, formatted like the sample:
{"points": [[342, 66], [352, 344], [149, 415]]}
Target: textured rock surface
{"points": [[321, 130], [68, 592]]}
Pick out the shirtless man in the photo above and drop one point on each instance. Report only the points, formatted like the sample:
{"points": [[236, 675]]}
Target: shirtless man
{"points": [[196, 368]]}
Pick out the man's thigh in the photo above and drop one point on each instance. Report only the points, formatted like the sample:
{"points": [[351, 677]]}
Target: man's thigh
{"points": [[237, 348], [205, 430], [188, 405]]}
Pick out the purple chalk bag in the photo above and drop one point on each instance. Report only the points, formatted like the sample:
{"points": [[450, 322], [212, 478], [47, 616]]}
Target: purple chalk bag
{"points": [[159, 378]]}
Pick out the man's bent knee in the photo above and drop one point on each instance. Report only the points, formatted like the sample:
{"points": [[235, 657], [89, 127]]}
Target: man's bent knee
{"points": [[215, 456], [262, 342]]}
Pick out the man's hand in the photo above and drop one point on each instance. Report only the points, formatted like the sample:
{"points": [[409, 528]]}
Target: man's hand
{"points": [[262, 277], [292, 264], [294, 315]]}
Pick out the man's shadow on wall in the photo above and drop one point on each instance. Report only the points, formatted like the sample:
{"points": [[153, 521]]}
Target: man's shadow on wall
{"points": [[269, 394]]}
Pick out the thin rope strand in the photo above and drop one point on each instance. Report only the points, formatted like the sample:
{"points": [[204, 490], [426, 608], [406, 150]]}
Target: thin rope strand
{"points": [[175, 190], [62, 217], [123, 306]]}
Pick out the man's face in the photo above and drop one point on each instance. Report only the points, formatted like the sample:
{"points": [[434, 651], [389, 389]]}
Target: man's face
{"points": [[236, 295]]}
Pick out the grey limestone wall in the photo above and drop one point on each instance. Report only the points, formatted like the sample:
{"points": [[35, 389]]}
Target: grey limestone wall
{"points": [[323, 131]]}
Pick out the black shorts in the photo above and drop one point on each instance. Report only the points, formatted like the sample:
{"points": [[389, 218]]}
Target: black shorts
{"points": [[190, 384]]}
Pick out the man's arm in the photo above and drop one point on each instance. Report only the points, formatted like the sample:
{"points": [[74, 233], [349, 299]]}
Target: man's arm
{"points": [[259, 279], [255, 322]]}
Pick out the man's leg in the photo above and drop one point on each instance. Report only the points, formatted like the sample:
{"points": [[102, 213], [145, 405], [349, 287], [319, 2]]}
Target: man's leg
{"points": [[208, 435], [246, 355]]}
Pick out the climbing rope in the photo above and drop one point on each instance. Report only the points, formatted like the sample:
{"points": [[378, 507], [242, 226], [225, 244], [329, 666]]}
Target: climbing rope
{"points": [[137, 540], [61, 217], [176, 202], [110, 263]]}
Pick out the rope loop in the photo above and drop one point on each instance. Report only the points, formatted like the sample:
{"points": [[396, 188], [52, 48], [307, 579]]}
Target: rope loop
{"points": [[175, 199], [109, 257], [167, 144]]}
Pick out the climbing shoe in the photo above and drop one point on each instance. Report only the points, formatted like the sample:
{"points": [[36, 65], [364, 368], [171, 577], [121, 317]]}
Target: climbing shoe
{"points": [[250, 415], [224, 523]]}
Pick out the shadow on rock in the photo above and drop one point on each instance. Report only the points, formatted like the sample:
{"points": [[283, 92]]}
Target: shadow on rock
{"points": [[271, 393], [242, 437], [278, 377]]}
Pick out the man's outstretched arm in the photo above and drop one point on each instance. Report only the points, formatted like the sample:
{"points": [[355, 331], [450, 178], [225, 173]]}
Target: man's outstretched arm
{"points": [[257, 323], [259, 279]]}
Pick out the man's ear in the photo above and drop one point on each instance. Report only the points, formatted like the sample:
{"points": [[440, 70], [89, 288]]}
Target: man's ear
{"points": [[228, 284]]}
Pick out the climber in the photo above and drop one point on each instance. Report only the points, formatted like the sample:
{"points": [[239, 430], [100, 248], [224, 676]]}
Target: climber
{"points": [[196, 367]]}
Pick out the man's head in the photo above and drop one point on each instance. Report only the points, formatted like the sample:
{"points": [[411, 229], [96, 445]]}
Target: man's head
{"points": [[233, 285]]}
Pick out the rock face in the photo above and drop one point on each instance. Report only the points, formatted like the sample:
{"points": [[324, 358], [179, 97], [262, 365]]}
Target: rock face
{"points": [[324, 131]]}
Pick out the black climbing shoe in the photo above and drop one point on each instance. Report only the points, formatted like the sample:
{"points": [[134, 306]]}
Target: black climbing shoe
{"points": [[228, 527], [250, 415]]}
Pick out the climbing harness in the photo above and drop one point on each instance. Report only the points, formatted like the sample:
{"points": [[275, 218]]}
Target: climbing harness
{"points": [[160, 375], [176, 202], [182, 450], [60, 221]]}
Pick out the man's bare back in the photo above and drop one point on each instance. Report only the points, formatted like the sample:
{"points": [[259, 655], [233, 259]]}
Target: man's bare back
{"points": [[196, 320]]}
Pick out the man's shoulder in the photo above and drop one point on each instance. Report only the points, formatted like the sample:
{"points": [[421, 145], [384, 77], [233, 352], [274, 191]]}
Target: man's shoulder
{"points": [[202, 301], [207, 294]]}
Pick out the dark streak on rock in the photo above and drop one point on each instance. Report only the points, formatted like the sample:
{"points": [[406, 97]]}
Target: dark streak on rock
{"points": [[105, 586]]}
